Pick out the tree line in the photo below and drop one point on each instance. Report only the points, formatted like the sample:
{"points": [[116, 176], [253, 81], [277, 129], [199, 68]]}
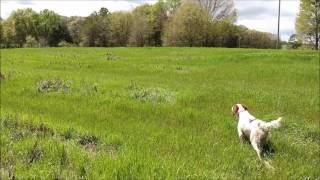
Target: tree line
{"points": [[200, 23]]}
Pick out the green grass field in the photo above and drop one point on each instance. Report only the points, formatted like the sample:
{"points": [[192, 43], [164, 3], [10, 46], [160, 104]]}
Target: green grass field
{"points": [[155, 113]]}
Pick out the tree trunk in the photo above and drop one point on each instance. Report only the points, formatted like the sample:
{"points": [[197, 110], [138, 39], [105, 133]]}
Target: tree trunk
{"points": [[317, 41], [317, 6], [317, 32]]}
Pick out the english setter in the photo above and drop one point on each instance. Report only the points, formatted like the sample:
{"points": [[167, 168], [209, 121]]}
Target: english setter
{"points": [[252, 128]]}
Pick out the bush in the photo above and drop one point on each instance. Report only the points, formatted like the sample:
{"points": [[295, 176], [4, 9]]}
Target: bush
{"points": [[65, 44]]}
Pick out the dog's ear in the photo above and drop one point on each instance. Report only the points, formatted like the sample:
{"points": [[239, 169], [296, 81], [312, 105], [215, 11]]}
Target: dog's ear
{"points": [[235, 109], [245, 107]]}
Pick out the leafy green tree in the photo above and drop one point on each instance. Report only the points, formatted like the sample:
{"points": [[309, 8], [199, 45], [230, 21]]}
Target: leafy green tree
{"points": [[48, 21], [26, 22], [52, 28], [224, 34], [148, 24], [141, 30], [104, 12], [90, 30], [59, 33], [8, 28], [229, 34], [158, 17], [172, 6], [74, 25], [1, 33], [256, 39], [96, 29], [120, 28], [188, 27], [218, 9], [165, 23], [308, 22]]}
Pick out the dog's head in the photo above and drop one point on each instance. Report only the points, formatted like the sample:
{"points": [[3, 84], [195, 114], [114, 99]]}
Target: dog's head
{"points": [[236, 108]]}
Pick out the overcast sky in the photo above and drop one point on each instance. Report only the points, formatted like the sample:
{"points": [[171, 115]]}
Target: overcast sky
{"points": [[255, 14]]}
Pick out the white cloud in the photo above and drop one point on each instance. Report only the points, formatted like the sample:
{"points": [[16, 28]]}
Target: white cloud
{"points": [[262, 15], [69, 8], [255, 14]]}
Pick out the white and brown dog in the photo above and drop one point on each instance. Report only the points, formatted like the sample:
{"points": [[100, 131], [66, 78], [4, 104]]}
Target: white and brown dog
{"points": [[253, 129]]}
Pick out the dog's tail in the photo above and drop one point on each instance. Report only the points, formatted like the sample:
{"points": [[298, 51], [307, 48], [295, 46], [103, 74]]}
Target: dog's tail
{"points": [[268, 126]]}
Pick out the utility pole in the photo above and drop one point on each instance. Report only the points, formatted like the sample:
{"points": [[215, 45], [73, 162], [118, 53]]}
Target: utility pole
{"points": [[278, 40]]}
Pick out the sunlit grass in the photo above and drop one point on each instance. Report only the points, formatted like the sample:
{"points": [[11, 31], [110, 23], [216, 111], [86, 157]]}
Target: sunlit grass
{"points": [[155, 113]]}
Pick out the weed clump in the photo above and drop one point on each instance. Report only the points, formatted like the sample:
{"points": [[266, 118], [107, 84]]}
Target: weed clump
{"points": [[89, 142], [113, 144], [34, 154], [17, 135], [41, 130], [179, 68], [63, 157], [2, 77], [20, 129], [53, 85], [69, 134], [111, 56], [10, 121], [154, 95], [88, 89]]}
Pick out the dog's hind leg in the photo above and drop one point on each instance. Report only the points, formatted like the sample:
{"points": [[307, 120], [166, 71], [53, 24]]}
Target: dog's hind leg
{"points": [[256, 148], [268, 165]]}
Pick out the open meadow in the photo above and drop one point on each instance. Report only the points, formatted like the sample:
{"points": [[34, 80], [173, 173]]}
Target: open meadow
{"points": [[155, 113]]}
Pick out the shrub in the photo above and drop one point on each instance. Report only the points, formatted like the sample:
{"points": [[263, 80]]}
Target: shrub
{"points": [[65, 44]]}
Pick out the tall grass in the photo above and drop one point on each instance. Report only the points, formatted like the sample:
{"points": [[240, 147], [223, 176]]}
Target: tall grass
{"points": [[155, 113]]}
